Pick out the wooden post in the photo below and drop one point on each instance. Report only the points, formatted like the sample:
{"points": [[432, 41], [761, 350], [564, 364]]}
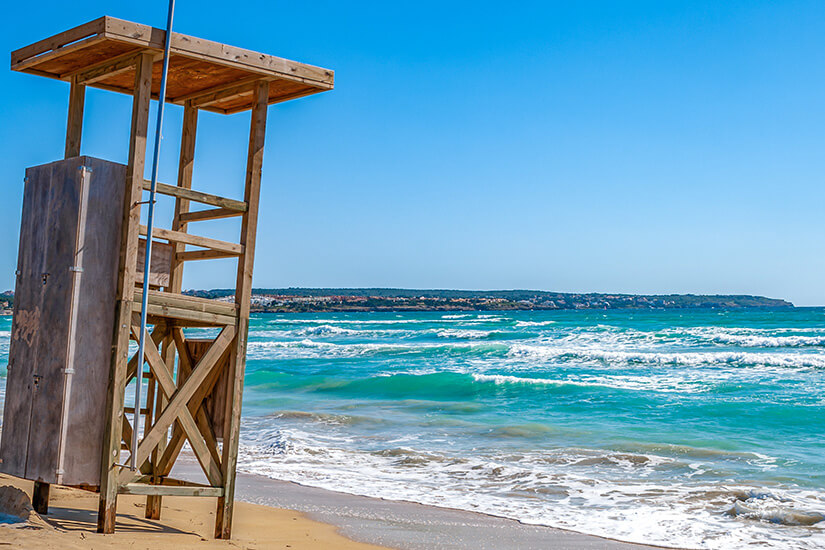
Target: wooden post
{"points": [[40, 498], [74, 124], [185, 170], [125, 294], [243, 293]]}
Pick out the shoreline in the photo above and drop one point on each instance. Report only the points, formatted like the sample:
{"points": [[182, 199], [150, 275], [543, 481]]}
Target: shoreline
{"points": [[407, 525], [282, 514]]}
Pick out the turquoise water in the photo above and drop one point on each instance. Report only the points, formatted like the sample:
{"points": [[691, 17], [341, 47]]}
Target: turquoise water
{"points": [[695, 428]]}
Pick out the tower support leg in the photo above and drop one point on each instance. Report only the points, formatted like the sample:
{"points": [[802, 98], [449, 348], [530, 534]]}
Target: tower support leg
{"points": [[243, 294], [113, 435], [40, 498]]}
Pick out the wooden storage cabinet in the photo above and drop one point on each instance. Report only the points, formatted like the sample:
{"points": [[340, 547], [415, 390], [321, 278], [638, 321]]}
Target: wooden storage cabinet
{"points": [[64, 314]]}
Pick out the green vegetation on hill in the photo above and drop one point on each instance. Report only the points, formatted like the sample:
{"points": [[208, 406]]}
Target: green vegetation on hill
{"points": [[398, 299]]}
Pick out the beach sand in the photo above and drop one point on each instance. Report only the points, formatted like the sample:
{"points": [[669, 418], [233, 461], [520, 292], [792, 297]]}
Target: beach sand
{"points": [[275, 514], [186, 523]]}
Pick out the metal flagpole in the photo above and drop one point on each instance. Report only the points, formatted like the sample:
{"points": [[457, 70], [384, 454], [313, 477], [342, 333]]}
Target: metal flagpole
{"points": [[147, 259]]}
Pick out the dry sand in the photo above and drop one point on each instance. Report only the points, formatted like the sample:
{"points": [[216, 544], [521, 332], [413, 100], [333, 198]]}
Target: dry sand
{"points": [[185, 523]]}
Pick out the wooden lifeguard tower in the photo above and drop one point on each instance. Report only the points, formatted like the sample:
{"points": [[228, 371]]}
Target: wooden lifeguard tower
{"points": [[78, 293]]}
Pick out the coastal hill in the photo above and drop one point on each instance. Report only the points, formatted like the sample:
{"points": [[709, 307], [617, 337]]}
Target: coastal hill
{"points": [[399, 299]]}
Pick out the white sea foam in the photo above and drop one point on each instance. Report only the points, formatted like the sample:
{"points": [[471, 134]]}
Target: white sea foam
{"points": [[463, 333], [792, 360], [617, 495], [666, 384]]}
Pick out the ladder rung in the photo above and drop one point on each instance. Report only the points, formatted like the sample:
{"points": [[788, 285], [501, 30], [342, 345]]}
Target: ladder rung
{"points": [[197, 196], [211, 214], [195, 240], [191, 255]]}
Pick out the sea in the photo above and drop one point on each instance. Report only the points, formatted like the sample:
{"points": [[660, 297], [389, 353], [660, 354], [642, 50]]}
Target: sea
{"points": [[682, 428]]}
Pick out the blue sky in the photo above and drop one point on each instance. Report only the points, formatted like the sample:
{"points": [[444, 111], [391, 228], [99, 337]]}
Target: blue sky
{"points": [[643, 147]]}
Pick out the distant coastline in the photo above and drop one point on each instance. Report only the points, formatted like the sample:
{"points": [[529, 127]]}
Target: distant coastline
{"points": [[308, 300]]}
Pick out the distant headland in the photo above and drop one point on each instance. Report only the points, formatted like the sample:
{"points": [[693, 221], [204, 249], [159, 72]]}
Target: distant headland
{"points": [[286, 300]]}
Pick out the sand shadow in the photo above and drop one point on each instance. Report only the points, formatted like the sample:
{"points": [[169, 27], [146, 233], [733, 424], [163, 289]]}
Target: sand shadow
{"points": [[73, 519]]}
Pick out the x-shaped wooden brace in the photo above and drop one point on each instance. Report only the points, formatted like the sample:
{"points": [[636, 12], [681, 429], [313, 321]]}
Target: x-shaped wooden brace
{"points": [[178, 408]]}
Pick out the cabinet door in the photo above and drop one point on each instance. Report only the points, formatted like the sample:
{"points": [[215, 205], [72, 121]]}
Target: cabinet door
{"points": [[26, 333], [60, 223], [38, 348]]}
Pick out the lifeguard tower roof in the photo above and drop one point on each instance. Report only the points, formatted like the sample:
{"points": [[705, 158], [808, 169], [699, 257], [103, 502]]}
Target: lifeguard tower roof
{"points": [[213, 76]]}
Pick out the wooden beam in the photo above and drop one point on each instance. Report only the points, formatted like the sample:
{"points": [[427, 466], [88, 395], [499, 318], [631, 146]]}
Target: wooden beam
{"points": [[197, 440], [184, 393], [171, 299], [211, 214], [186, 314], [169, 490], [201, 96], [125, 289], [220, 54], [59, 40], [74, 124], [203, 255], [69, 48], [176, 442], [243, 294], [197, 196], [109, 67], [194, 240]]}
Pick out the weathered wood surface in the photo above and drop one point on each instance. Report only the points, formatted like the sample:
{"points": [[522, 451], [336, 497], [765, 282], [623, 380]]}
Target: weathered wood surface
{"points": [[127, 263], [243, 294], [198, 69], [215, 402], [62, 321], [194, 240], [169, 490], [210, 214], [197, 196], [74, 123], [161, 267]]}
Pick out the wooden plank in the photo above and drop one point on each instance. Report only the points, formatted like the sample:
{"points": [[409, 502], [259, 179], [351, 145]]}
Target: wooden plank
{"points": [[194, 240], [182, 301], [105, 69], [198, 442], [219, 54], [198, 97], [73, 47], [232, 92], [214, 405], [169, 490], [25, 334], [210, 214], [183, 394], [86, 30], [185, 314], [125, 288], [243, 294], [161, 267], [74, 124], [197, 196], [186, 362], [203, 255]]}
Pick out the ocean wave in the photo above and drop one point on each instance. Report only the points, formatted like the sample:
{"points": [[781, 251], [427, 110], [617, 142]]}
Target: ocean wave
{"points": [[314, 348], [772, 510], [753, 337], [792, 360], [626, 496], [666, 384]]}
